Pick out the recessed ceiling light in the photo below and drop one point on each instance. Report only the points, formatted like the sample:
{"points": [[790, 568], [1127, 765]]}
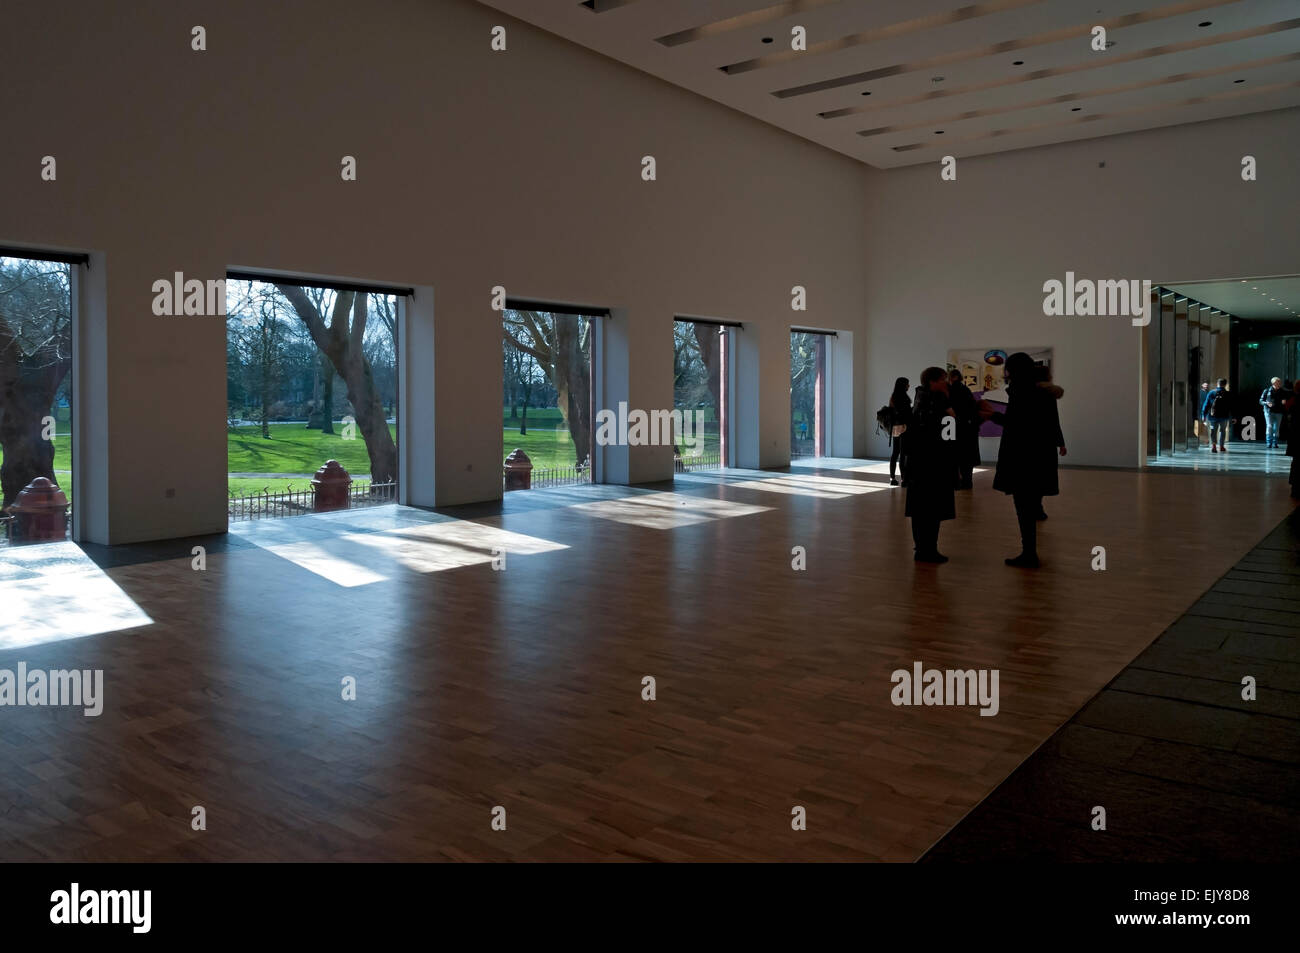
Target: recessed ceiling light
{"points": [[936, 79], [1205, 23], [1075, 109], [938, 132], [767, 39], [1238, 80], [1018, 63], [866, 92]]}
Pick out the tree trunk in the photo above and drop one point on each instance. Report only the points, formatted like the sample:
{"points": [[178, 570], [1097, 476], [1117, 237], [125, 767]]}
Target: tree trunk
{"points": [[27, 394], [572, 379], [327, 396], [342, 344]]}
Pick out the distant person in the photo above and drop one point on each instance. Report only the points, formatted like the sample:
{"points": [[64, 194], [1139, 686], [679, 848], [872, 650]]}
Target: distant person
{"points": [[1293, 439], [1271, 400], [967, 413], [931, 461], [1216, 412], [900, 406], [1031, 440], [1201, 427]]}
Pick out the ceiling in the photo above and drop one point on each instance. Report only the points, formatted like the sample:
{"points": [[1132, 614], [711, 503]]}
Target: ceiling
{"points": [[1254, 298], [941, 75]]}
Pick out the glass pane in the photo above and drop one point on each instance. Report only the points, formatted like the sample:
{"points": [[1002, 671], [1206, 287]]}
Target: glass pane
{"points": [[698, 373], [300, 392], [546, 399], [35, 400]]}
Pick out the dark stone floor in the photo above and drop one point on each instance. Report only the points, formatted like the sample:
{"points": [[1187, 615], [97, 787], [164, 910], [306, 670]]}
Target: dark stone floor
{"points": [[1186, 769]]}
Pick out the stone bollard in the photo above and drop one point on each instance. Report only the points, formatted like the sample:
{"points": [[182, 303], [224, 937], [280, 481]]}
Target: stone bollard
{"points": [[40, 512], [330, 487], [518, 471]]}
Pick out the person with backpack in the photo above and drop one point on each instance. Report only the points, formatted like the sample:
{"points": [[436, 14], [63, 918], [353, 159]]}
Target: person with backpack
{"points": [[1271, 400], [894, 418], [1217, 412]]}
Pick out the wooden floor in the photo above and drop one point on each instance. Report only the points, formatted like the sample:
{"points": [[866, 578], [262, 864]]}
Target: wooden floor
{"points": [[522, 688], [1186, 769]]}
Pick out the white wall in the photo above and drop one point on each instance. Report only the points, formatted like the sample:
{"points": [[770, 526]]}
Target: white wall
{"points": [[962, 264], [475, 169]]}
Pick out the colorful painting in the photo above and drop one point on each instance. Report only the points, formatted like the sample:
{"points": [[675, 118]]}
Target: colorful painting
{"points": [[982, 370]]}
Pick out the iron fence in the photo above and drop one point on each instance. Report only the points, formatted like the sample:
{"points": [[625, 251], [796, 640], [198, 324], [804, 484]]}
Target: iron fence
{"points": [[291, 502], [707, 460]]}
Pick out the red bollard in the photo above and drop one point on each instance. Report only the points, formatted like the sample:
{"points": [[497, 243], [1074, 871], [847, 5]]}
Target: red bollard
{"points": [[330, 487], [518, 471], [41, 512]]}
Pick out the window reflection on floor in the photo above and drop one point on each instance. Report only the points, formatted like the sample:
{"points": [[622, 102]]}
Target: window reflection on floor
{"points": [[54, 591]]}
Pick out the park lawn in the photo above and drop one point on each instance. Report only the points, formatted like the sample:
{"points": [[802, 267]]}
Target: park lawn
{"points": [[293, 448]]}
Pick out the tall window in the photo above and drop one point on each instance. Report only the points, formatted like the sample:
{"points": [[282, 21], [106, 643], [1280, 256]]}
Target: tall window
{"points": [[35, 396], [808, 394], [700, 355], [311, 376], [547, 398]]}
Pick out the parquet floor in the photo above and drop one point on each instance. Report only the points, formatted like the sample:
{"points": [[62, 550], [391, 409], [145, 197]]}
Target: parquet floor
{"points": [[1186, 768], [522, 688]]}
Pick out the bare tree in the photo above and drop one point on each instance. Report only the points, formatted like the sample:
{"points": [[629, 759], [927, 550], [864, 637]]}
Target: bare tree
{"points": [[561, 345], [343, 342], [35, 359]]}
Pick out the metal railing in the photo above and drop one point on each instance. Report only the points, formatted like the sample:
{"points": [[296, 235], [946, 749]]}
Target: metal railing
{"points": [[542, 477], [291, 502], [706, 460]]}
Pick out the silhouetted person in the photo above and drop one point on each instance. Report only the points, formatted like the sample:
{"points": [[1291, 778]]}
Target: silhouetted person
{"points": [[901, 405], [1031, 440], [1043, 376], [1293, 439], [1216, 410], [931, 462], [967, 413]]}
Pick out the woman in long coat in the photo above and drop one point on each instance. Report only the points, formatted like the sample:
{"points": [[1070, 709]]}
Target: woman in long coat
{"points": [[931, 466], [1031, 439]]}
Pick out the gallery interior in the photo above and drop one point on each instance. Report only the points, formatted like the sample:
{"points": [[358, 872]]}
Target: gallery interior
{"points": [[274, 278]]}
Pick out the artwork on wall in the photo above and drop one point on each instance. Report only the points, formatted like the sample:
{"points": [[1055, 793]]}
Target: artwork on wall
{"points": [[982, 371]]}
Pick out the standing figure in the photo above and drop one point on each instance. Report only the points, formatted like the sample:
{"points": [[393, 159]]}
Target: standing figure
{"points": [[931, 464], [967, 413], [900, 404], [1216, 411], [1031, 440]]}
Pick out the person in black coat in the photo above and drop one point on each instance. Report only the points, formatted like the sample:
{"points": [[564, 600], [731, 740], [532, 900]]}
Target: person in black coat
{"points": [[931, 463], [901, 404], [1031, 439], [967, 413], [1293, 440]]}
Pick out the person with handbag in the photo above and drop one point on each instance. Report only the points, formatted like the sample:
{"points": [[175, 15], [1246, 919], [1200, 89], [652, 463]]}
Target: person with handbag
{"points": [[900, 406]]}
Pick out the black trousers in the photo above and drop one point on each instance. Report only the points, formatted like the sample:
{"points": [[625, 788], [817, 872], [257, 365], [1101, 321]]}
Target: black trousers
{"points": [[1028, 506], [898, 459], [925, 534]]}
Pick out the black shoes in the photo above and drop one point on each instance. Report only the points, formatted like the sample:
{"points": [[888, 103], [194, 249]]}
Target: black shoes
{"points": [[1042, 515], [893, 482], [1023, 561], [935, 557]]}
